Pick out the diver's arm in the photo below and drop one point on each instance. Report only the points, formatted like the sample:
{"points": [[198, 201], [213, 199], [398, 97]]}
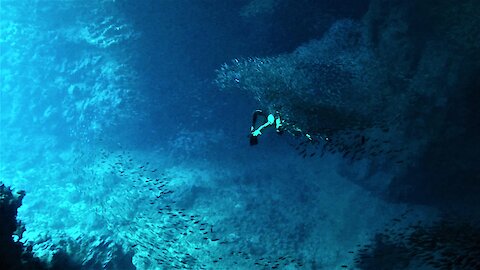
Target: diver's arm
{"points": [[270, 121]]}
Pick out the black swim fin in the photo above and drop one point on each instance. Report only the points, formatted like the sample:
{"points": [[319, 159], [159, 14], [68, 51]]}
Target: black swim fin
{"points": [[253, 140]]}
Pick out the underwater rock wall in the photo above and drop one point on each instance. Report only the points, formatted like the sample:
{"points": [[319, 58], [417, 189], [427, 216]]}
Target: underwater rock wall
{"points": [[434, 48], [284, 24], [443, 244], [64, 79], [387, 88]]}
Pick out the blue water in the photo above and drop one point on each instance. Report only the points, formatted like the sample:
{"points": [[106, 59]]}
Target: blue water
{"points": [[127, 124]]}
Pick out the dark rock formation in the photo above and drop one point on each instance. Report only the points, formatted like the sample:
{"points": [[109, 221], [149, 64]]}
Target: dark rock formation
{"points": [[441, 245], [13, 255]]}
